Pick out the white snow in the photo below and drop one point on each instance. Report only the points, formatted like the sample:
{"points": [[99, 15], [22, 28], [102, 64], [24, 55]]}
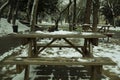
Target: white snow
{"points": [[112, 51], [57, 32], [6, 28], [102, 50]]}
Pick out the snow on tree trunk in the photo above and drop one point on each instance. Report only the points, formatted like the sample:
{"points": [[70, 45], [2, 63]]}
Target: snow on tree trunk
{"points": [[33, 14]]}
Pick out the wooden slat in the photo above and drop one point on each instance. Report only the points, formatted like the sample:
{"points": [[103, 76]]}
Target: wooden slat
{"points": [[49, 35], [59, 61], [57, 45]]}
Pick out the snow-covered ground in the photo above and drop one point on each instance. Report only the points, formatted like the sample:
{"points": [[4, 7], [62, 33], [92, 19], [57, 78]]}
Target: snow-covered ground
{"points": [[102, 50], [6, 28]]}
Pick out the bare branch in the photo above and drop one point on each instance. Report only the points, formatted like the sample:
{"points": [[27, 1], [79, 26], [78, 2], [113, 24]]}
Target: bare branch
{"points": [[4, 6]]}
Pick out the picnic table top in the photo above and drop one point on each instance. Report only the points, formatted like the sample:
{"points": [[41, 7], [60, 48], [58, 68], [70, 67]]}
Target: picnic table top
{"points": [[59, 61], [59, 35]]}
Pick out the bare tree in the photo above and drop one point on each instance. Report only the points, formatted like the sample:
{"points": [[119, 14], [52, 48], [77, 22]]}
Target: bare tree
{"points": [[4, 6], [60, 12], [28, 10], [11, 9], [15, 13], [33, 14], [74, 15], [88, 12], [95, 15]]}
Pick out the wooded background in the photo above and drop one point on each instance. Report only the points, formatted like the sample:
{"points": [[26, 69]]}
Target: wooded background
{"points": [[71, 11]]}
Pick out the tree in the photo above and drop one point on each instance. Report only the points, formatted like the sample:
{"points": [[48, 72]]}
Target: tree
{"points": [[110, 9], [59, 13], [95, 14], [3, 6], [34, 14], [28, 10], [88, 12], [74, 15]]}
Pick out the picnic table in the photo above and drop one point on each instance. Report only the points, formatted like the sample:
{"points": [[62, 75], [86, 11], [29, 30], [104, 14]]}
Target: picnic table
{"points": [[90, 39], [105, 29]]}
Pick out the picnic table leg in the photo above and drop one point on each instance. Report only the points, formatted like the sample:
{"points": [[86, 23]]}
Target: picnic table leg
{"points": [[87, 48], [26, 75], [30, 48], [96, 72], [35, 54]]}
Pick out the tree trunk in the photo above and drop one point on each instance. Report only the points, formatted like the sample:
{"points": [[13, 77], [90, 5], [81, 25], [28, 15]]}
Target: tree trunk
{"points": [[60, 14], [3, 7], [15, 13], [88, 12], [57, 22], [74, 16], [11, 9], [14, 17], [28, 10], [33, 15], [95, 15]]}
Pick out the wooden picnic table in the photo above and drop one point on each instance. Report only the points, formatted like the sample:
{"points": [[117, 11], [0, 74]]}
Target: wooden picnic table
{"points": [[90, 39], [105, 29]]}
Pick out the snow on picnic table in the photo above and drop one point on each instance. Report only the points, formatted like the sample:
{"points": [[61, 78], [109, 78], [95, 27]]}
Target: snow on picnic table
{"points": [[57, 32]]}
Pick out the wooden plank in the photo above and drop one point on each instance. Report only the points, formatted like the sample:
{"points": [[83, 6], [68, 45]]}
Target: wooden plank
{"points": [[96, 72], [60, 61], [49, 35], [58, 45]]}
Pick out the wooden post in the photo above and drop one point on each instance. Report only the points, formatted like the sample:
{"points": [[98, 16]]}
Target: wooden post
{"points": [[26, 76], [96, 72], [31, 41], [35, 52], [30, 48]]}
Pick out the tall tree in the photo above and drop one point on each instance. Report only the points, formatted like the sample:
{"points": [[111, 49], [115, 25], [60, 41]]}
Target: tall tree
{"points": [[28, 10], [15, 12], [4, 6], [111, 10], [74, 15], [95, 14], [11, 10], [59, 14], [88, 12], [33, 14]]}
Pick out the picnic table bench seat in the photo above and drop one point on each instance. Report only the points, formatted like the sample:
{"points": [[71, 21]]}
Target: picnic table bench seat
{"points": [[59, 61], [96, 63]]}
